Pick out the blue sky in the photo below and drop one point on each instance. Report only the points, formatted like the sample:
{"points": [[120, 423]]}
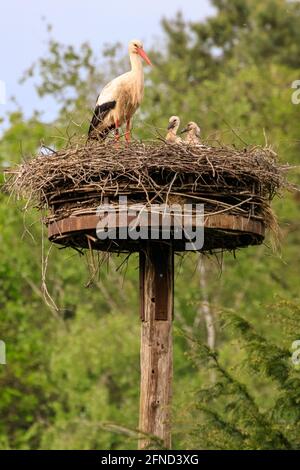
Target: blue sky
{"points": [[23, 33]]}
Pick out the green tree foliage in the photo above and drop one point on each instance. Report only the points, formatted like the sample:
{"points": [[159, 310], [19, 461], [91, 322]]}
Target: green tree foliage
{"points": [[71, 380], [226, 413]]}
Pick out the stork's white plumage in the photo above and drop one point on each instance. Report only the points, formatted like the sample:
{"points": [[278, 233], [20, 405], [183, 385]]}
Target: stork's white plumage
{"points": [[120, 98], [173, 126], [193, 134]]}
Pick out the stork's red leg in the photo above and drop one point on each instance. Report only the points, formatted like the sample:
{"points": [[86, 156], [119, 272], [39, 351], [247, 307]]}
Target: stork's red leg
{"points": [[117, 133], [128, 128]]}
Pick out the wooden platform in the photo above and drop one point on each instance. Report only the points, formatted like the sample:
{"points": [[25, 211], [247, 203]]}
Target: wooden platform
{"points": [[221, 231]]}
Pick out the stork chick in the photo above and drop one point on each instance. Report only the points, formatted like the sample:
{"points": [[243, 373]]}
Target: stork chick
{"points": [[193, 134], [172, 137], [120, 98]]}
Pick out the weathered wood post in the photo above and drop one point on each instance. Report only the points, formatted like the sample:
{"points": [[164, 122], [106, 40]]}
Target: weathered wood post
{"points": [[156, 306]]}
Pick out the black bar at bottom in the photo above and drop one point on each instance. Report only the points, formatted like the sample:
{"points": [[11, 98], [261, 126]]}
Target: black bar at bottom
{"points": [[133, 459]]}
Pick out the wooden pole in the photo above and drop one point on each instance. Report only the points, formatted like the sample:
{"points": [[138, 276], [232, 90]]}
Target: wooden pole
{"points": [[156, 304]]}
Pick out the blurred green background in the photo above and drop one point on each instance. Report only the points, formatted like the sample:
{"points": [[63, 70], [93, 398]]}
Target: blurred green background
{"points": [[72, 379]]}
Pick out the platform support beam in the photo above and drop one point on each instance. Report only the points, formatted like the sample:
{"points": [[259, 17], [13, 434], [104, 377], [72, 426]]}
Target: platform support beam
{"points": [[156, 306]]}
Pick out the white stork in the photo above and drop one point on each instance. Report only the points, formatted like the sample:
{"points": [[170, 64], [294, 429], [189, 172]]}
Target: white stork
{"points": [[172, 137], [193, 134], [120, 98]]}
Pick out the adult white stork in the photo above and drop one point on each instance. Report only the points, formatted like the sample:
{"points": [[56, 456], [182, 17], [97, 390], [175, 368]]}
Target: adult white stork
{"points": [[120, 98], [193, 134], [172, 137]]}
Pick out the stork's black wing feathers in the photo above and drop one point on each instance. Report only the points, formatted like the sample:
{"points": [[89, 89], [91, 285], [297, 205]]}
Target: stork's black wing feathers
{"points": [[99, 114]]}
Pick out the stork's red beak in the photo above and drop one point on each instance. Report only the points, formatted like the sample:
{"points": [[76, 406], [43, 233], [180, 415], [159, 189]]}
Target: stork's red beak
{"points": [[144, 56]]}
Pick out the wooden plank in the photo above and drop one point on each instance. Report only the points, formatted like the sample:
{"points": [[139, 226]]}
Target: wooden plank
{"points": [[164, 275], [156, 347], [222, 221], [142, 259]]}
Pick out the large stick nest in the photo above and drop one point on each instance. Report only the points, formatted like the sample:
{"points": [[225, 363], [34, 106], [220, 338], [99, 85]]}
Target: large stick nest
{"points": [[74, 181]]}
